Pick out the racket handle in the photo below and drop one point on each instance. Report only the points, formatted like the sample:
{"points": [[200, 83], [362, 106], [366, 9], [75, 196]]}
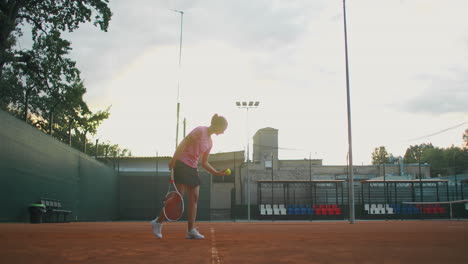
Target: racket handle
{"points": [[171, 181]]}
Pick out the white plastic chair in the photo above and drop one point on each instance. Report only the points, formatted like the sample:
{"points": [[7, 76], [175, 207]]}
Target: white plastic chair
{"points": [[276, 210], [283, 211], [366, 207]]}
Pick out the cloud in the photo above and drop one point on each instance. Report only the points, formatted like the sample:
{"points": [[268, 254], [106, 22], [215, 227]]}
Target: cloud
{"points": [[407, 68], [260, 25], [444, 95], [268, 28]]}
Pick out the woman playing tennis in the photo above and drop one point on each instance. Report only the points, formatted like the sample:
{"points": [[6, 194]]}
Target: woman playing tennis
{"points": [[185, 163]]}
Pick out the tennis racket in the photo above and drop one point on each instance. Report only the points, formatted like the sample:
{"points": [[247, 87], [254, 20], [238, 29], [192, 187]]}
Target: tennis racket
{"points": [[173, 203]]}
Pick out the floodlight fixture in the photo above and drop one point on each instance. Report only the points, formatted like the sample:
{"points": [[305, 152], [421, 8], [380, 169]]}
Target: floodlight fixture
{"points": [[247, 105]]}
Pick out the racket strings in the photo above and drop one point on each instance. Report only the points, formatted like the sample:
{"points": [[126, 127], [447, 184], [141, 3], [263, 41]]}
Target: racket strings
{"points": [[173, 206]]}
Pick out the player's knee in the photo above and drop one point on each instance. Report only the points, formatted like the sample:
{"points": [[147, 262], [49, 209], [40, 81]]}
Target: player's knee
{"points": [[194, 198]]}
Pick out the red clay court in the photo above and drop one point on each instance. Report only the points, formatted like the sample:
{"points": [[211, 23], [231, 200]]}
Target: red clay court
{"points": [[228, 242]]}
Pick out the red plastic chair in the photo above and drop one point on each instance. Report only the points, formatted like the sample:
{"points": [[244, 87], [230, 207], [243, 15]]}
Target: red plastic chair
{"points": [[428, 210]]}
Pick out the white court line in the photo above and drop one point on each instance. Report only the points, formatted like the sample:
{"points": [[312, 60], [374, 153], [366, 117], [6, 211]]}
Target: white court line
{"points": [[214, 251]]}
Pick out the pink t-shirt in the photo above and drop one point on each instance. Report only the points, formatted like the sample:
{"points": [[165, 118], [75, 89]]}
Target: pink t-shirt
{"points": [[200, 143]]}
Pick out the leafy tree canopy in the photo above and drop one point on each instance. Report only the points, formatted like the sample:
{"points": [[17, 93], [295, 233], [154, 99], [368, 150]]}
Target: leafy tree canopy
{"points": [[380, 156], [41, 84]]}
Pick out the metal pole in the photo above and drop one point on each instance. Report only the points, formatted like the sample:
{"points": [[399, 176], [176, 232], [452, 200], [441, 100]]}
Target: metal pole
{"points": [[157, 163], [272, 194], [97, 148], [69, 132], [247, 172], [420, 177], [350, 151], [247, 106], [385, 191], [155, 180], [310, 177], [450, 211], [178, 81], [461, 190]]}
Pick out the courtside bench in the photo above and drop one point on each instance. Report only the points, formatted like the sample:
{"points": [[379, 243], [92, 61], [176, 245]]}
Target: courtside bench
{"points": [[54, 211]]}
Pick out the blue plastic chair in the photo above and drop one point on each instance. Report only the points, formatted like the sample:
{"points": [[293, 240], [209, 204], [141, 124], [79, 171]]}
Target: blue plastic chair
{"points": [[297, 211]]}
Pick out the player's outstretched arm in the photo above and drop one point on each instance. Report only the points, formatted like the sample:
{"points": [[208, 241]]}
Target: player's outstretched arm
{"points": [[207, 166]]}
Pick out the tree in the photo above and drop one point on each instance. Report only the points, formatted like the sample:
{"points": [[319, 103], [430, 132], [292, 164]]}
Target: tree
{"points": [[44, 17], [435, 157], [444, 161], [44, 70], [88, 124], [456, 160], [48, 76], [107, 150], [380, 156], [41, 84], [415, 154]]}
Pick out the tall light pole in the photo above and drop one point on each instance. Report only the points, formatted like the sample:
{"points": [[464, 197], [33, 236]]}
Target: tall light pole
{"points": [[180, 73], [420, 174], [247, 106], [350, 150]]}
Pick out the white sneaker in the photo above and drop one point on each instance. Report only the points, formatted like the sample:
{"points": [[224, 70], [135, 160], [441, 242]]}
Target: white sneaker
{"points": [[157, 228], [194, 234]]}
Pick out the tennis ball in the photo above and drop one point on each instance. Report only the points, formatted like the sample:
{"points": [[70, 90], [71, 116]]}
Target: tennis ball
{"points": [[228, 172]]}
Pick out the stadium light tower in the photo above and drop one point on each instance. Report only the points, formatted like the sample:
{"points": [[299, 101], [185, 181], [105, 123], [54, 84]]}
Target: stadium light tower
{"points": [[350, 144], [180, 73], [248, 105]]}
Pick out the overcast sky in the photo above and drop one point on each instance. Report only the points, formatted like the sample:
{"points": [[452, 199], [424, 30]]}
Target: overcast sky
{"points": [[408, 64]]}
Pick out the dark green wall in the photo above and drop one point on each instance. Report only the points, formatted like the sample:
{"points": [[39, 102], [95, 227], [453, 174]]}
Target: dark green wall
{"points": [[35, 165], [141, 195]]}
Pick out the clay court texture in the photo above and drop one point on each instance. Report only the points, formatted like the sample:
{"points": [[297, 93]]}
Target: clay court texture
{"points": [[237, 242]]}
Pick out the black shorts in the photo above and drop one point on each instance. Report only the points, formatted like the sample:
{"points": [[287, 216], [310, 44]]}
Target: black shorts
{"points": [[184, 174]]}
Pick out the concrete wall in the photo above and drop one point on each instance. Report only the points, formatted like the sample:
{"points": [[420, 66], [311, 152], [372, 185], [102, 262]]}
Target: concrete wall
{"points": [[221, 195]]}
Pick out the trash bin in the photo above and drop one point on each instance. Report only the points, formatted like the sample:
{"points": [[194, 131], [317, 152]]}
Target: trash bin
{"points": [[35, 213]]}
